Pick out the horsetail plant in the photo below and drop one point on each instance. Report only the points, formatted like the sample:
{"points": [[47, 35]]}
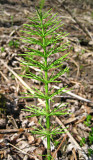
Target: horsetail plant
{"points": [[43, 31]]}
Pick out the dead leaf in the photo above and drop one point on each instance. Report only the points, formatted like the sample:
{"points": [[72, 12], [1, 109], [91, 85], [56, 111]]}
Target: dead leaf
{"points": [[30, 138], [81, 120]]}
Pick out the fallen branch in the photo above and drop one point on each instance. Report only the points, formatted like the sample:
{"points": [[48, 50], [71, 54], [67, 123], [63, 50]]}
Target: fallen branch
{"points": [[54, 154], [74, 95], [4, 77], [15, 130]]}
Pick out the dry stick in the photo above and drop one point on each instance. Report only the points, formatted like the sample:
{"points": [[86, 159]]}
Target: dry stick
{"points": [[85, 30], [8, 131], [54, 154], [4, 76], [56, 118], [74, 153], [74, 95]]}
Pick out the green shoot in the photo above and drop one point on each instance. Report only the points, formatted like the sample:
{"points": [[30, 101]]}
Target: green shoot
{"points": [[43, 31]]}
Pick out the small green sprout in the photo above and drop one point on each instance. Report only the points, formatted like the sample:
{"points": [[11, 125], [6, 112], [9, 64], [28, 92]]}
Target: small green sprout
{"points": [[88, 120], [14, 43], [83, 141], [88, 140], [2, 49]]}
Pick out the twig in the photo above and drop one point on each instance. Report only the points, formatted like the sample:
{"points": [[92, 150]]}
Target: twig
{"points": [[4, 76], [8, 131], [54, 154], [74, 154], [74, 95]]}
